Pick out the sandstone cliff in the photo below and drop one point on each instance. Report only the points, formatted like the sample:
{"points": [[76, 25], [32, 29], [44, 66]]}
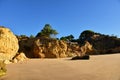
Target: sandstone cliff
{"points": [[102, 44], [43, 48], [8, 44]]}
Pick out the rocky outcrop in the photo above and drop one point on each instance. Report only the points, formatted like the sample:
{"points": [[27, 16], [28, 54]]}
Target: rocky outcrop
{"points": [[52, 48], [73, 49], [8, 44], [86, 48], [20, 57], [102, 44], [43, 48], [84, 51]]}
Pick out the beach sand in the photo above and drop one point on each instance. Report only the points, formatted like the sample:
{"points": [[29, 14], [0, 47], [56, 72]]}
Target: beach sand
{"points": [[99, 67]]}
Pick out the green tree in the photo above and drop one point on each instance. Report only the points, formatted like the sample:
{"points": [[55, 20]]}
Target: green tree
{"points": [[63, 38], [23, 36], [32, 36], [86, 35], [70, 37], [47, 31]]}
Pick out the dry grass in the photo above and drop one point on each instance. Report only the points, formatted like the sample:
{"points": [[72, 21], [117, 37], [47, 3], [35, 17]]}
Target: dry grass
{"points": [[3, 69]]}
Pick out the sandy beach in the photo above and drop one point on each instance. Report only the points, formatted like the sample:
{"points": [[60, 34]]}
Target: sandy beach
{"points": [[99, 67]]}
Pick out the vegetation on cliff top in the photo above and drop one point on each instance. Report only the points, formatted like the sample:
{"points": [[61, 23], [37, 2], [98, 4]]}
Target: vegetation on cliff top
{"points": [[47, 31]]}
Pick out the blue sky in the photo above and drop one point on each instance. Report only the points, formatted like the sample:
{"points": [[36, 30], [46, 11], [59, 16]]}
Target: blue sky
{"points": [[66, 16]]}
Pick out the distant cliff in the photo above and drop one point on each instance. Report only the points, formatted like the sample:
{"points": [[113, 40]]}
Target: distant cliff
{"points": [[102, 44]]}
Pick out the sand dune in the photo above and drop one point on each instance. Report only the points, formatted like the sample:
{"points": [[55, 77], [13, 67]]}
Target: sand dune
{"points": [[102, 67]]}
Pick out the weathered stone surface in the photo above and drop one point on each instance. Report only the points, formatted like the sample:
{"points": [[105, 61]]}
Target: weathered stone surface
{"points": [[86, 48], [43, 48], [49, 48], [8, 44], [52, 48], [20, 57], [73, 50]]}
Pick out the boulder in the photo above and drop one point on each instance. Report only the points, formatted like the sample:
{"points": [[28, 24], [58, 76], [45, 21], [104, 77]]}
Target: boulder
{"points": [[8, 44], [85, 57], [20, 57]]}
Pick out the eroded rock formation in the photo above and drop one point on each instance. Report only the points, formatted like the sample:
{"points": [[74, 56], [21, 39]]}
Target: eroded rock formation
{"points": [[20, 57], [8, 44], [86, 48], [51, 48], [43, 48]]}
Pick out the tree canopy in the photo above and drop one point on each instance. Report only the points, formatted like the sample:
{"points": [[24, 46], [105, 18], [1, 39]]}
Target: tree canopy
{"points": [[70, 37], [47, 31], [86, 35]]}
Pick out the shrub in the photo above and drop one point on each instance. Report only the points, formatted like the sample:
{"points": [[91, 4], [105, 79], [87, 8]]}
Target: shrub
{"points": [[3, 69]]}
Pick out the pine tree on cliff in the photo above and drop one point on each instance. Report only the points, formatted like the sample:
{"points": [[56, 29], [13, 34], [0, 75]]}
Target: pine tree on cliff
{"points": [[47, 31]]}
